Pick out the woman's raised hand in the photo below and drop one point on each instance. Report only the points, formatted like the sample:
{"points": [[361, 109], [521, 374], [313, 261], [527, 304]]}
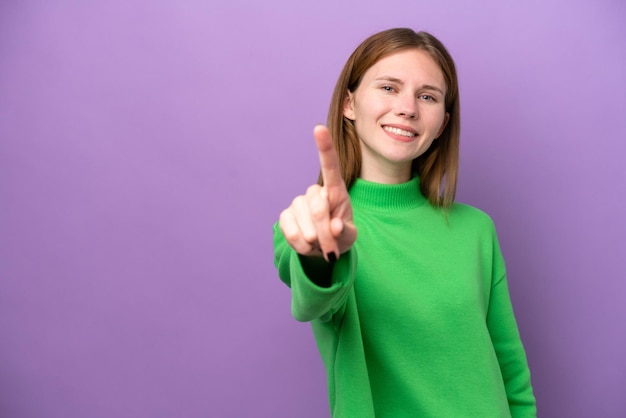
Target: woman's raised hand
{"points": [[319, 223]]}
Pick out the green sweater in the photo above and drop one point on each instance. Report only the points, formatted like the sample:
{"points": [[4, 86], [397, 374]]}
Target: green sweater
{"points": [[418, 320]]}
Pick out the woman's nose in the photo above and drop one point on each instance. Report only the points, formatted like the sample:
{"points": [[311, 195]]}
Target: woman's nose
{"points": [[406, 107]]}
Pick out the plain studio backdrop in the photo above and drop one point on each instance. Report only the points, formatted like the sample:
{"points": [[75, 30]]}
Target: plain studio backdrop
{"points": [[147, 147]]}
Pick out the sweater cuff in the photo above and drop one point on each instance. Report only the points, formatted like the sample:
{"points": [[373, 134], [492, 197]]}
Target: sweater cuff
{"points": [[310, 301]]}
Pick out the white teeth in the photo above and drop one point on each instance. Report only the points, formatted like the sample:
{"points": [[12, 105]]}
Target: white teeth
{"points": [[397, 131]]}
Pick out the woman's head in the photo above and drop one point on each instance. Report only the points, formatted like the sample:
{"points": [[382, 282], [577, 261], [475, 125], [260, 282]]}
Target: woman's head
{"points": [[438, 165]]}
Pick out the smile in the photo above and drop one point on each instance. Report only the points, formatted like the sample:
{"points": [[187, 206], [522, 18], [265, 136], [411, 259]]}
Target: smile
{"points": [[398, 131]]}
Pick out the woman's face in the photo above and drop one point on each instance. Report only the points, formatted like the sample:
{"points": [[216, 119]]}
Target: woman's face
{"points": [[398, 110]]}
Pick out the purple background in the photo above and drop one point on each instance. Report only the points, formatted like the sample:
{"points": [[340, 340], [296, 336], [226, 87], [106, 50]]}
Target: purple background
{"points": [[147, 147]]}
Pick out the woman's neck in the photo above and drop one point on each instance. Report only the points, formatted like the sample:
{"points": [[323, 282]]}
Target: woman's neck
{"points": [[394, 174]]}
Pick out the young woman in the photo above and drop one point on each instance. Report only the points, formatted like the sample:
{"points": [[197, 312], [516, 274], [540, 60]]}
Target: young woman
{"points": [[413, 318]]}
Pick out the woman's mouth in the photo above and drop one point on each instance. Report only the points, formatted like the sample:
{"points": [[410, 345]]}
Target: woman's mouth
{"points": [[400, 132]]}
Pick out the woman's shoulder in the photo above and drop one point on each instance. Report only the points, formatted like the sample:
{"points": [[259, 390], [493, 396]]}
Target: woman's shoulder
{"points": [[467, 214]]}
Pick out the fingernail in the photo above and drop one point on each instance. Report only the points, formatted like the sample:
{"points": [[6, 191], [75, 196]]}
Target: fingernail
{"points": [[331, 257]]}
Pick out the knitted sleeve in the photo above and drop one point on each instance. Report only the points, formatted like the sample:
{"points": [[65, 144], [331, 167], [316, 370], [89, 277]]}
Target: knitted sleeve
{"points": [[508, 345], [308, 300]]}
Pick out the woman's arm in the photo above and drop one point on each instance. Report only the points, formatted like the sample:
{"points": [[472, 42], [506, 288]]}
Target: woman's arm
{"points": [[510, 351], [318, 289]]}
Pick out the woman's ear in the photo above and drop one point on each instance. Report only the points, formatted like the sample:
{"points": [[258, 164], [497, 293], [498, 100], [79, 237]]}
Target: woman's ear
{"points": [[443, 125], [348, 106]]}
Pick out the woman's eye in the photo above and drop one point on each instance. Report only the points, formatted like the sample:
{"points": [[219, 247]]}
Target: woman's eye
{"points": [[427, 98], [387, 88]]}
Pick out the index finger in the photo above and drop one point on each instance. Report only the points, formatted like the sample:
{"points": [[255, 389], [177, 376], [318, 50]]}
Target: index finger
{"points": [[329, 161]]}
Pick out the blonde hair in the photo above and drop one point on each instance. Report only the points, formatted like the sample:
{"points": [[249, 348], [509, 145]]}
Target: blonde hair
{"points": [[438, 166]]}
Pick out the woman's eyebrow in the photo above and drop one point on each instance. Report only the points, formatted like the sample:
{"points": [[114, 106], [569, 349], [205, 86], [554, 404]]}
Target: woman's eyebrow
{"points": [[435, 88], [391, 79]]}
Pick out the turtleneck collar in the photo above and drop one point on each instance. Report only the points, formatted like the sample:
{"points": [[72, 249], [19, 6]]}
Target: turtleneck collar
{"points": [[368, 195]]}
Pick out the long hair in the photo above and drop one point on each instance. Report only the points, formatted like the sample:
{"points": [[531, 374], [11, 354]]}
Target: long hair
{"points": [[438, 166]]}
